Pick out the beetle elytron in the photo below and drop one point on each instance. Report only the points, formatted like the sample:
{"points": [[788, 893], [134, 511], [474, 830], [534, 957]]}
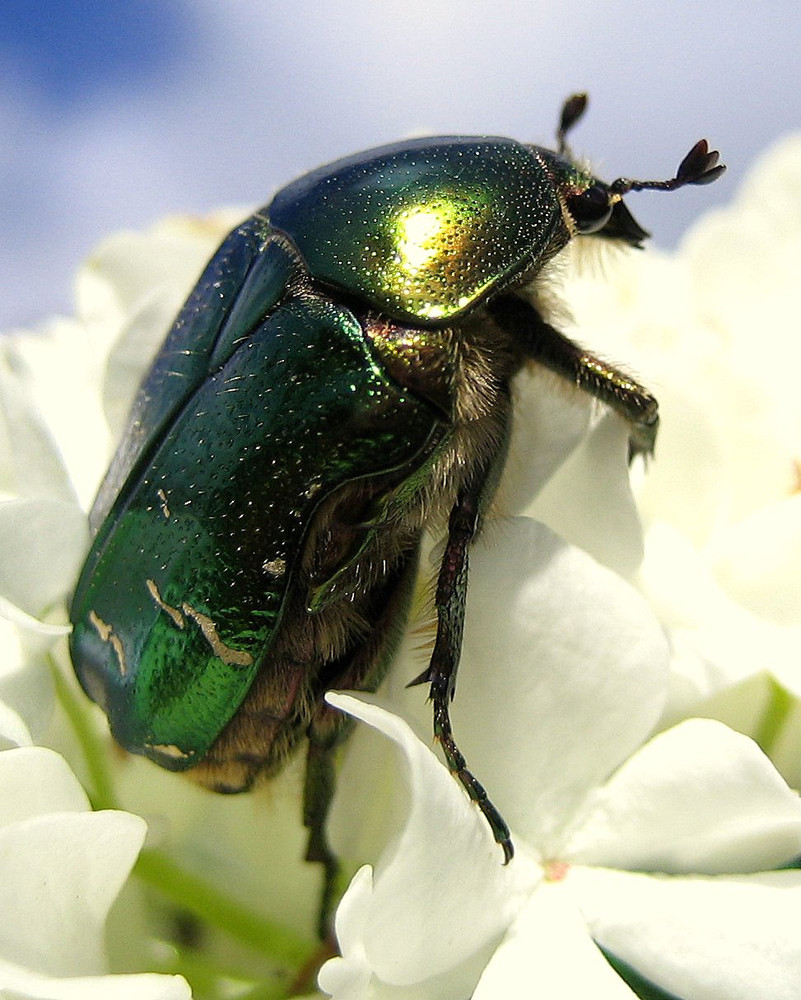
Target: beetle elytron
{"points": [[337, 381]]}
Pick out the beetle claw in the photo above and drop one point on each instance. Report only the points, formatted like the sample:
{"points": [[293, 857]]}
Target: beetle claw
{"points": [[423, 678]]}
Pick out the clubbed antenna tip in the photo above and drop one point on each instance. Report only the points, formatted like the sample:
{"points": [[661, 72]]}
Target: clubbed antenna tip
{"points": [[699, 166]]}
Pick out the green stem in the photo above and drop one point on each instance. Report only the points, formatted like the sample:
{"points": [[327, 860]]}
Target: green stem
{"points": [[215, 980], [264, 991], [215, 908], [774, 717]]}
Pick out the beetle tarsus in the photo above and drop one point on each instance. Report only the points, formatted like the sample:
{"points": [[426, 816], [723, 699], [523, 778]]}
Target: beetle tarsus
{"points": [[458, 768]]}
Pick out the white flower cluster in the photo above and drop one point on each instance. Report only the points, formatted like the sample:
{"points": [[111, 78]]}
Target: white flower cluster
{"points": [[607, 642]]}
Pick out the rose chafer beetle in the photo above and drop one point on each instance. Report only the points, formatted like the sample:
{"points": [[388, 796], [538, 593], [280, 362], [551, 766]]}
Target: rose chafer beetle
{"points": [[337, 382]]}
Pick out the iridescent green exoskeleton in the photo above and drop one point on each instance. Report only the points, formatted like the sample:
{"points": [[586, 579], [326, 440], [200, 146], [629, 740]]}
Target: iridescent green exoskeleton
{"points": [[337, 382]]}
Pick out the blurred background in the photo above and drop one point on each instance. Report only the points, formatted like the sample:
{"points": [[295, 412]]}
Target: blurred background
{"points": [[114, 114]]}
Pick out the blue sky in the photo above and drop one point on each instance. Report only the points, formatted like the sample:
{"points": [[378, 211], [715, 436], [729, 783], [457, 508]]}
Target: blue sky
{"points": [[115, 114]]}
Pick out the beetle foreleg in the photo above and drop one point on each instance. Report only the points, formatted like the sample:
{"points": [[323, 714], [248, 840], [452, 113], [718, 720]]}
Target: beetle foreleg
{"points": [[441, 673], [545, 344]]}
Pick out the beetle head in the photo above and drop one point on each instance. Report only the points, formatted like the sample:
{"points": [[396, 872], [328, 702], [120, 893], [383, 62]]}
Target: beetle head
{"points": [[596, 208]]}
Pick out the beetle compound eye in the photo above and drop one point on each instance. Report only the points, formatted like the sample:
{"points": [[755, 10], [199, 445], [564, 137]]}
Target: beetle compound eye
{"points": [[591, 210]]}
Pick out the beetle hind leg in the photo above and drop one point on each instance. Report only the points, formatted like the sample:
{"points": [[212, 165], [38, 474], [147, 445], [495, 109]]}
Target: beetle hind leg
{"points": [[362, 668], [441, 673], [318, 793]]}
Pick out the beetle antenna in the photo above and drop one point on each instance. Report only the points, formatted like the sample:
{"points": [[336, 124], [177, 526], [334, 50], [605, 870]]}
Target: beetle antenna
{"points": [[573, 108], [699, 166]]}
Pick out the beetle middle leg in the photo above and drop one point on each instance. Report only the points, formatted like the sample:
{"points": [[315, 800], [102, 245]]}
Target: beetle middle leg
{"points": [[451, 597], [545, 344]]}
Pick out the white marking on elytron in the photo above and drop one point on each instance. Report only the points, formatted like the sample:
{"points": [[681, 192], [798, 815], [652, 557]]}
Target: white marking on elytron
{"points": [[170, 750], [174, 613], [275, 567], [165, 510], [107, 634], [232, 657]]}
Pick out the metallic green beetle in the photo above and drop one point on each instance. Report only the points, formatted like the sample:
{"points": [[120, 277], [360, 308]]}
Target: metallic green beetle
{"points": [[337, 381]]}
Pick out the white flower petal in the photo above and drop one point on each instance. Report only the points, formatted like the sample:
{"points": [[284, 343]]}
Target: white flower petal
{"points": [[348, 977], [43, 542], [758, 562], [697, 798], [21, 984], [13, 731], [560, 655], [720, 643], [61, 867], [54, 431], [35, 781], [25, 681], [60, 875], [548, 952], [351, 976], [701, 938], [589, 501], [772, 187], [371, 796], [441, 892], [30, 463], [548, 423], [21, 619]]}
